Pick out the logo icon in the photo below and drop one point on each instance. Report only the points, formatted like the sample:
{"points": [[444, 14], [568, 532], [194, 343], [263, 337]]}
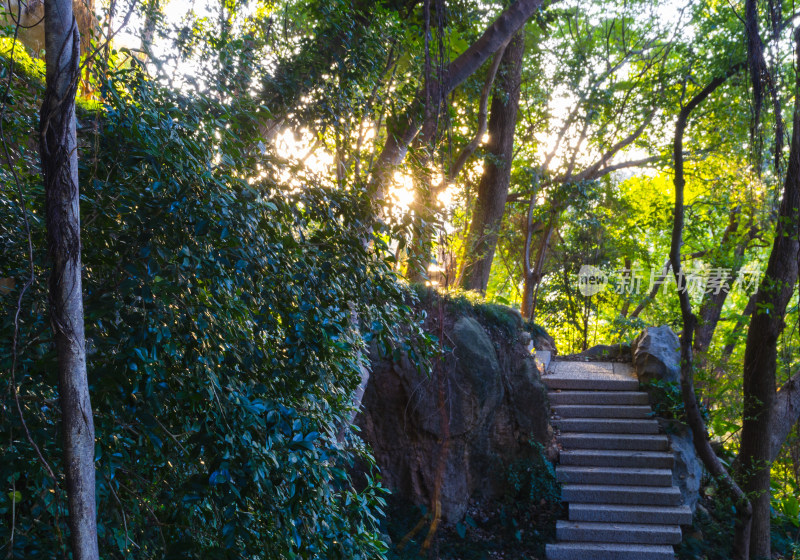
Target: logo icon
{"points": [[591, 280]]}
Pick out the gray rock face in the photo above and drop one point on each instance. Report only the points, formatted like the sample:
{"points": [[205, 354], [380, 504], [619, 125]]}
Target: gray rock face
{"points": [[687, 471], [656, 355], [494, 405]]}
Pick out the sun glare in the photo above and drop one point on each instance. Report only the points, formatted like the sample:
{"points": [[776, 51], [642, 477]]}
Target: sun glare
{"points": [[402, 193]]}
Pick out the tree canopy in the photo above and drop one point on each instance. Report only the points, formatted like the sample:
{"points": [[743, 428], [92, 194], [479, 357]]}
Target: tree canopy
{"points": [[263, 183]]}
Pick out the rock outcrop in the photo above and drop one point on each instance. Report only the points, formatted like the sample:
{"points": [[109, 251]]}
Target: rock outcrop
{"points": [[486, 394]]}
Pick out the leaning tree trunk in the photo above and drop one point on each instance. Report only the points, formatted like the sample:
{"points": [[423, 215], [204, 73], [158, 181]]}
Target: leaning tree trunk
{"points": [[744, 508], [405, 127], [60, 171], [493, 188], [766, 325]]}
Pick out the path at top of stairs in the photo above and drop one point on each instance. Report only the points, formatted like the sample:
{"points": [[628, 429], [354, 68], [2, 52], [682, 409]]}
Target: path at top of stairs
{"points": [[615, 467]]}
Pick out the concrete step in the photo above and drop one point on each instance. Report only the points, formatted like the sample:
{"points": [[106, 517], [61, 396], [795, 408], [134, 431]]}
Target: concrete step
{"points": [[631, 442], [601, 411], [598, 397], [608, 513], [614, 476], [555, 381], [639, 495], [586, 531], [607, 425], [617, 458], [599, 551]]}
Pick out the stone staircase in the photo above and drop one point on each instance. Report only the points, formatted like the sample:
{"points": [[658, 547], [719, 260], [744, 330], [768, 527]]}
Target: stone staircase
{"points": [[615, 467]]}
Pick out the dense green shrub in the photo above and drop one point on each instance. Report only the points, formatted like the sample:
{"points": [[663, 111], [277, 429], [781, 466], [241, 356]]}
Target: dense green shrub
{"points": [[220, 293]]}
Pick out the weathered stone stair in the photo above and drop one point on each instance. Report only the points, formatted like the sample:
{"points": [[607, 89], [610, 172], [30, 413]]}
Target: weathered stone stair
{"points": [[615, 468]]}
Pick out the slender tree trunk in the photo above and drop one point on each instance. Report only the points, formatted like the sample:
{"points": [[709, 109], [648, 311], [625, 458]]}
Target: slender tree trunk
{"points": [[152, 11], [534, 272], [60, 170], [744, 507], [493, 188], [785, 414], [760, 355]]}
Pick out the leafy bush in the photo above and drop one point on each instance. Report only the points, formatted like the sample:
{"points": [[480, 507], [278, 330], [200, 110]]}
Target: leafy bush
{"points": [[219, 301]]}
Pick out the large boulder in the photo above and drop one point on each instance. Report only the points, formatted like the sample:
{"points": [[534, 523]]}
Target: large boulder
{"points": [[657, 355], [484, 399]]}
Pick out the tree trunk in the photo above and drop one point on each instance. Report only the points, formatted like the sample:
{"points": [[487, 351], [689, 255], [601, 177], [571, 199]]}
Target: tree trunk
{"points": [[152, 12], [785, 413], [744, 507], [405, 128], [493, 187], [534, 271], [60, 170], [766, 325], [711, 307], [424, 207]]}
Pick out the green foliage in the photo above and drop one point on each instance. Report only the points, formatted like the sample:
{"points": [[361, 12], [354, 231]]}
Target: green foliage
{"points": [[533, 480], [712, 531], [667, 400], [222, 350], [497, 316], [711, 534]]}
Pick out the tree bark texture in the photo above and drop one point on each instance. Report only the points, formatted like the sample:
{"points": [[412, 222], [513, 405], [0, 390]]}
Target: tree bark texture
{"points": [[760, 355], [493, 187], [60, 171]]}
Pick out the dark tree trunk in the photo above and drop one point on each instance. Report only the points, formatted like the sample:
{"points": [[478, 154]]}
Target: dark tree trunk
{"points": [[493, 188], [60, 170], [766, 325]]}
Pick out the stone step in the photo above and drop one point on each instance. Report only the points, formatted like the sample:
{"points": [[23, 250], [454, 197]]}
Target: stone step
{"points": [[598, 397], [601, 411], [607, 425], [599, 551], [608, 513], [631, 442], [639, 495], [614, 476], [617, 458], [586, 531], [555, 381]]}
